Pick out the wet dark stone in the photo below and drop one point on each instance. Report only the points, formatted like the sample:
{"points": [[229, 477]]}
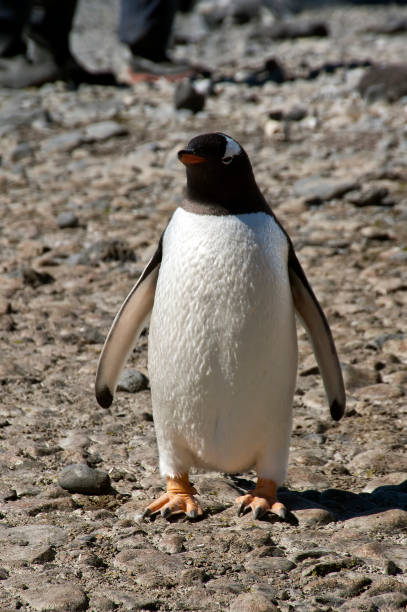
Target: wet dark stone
{"points": [[132, 381], [187, 97], [388, 82], [298, 29], [80, 478], [36, 279]]}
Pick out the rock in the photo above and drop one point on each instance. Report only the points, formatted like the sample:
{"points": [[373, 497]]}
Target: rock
{"points": [[241, 11], [62, 142], [103, 130], [298, 29], [389, 601], [390, 481], [393, 25], [224, 585], [149, 561], [317, 189], [67, 219], [75, 440], [329, 567], [192, 576], [132, 381], [376, 461], [110, 250], [36, 279], [270, 564], [172, 543], [355, 377], [387, 81], [4, 574], [33, 535], [252, 602], [67, 597], [373, 196], [314, 516], [187, 97], [389, 521], [21, 151], [20, 556], [80, 478]]}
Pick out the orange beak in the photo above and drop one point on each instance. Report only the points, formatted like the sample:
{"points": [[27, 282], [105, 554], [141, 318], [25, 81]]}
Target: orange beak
{"points": [[189, 159]]}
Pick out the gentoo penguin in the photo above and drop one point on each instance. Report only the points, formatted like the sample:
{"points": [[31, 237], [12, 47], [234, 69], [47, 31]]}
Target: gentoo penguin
{"points": [[222, 287]]}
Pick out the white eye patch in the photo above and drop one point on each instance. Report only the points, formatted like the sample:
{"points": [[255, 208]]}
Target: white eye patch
{"points": [[232, 147]]}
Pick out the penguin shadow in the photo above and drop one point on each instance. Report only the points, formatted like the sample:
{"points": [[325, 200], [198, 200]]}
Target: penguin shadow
{"points": [[342, 504]]}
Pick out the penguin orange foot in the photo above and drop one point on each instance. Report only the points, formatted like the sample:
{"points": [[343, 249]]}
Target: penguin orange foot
{"points": [[262, 499], [178, 498]]}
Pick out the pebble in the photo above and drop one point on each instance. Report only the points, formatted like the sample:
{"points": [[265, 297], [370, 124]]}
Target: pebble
{"points": [[319, 189], [298, 29], [62, 143], [132, 381], [20, 556], [384, 81], [389, 521], [80, 478], [270, 564], [186, 96], [103, 130], [252, 602], [56, 598], [172, 543], [67, 219], [313, 516]]}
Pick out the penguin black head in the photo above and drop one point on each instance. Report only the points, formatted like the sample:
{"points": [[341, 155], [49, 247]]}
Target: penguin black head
{"points": [[220, 175]]}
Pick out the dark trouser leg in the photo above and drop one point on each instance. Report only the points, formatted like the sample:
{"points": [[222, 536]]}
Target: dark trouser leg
{"points": [[13, 18], [145, 26], [51, 24]]}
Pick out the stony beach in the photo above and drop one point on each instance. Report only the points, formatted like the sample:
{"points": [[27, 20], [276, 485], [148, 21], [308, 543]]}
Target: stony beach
{"points": [[88, 181]]}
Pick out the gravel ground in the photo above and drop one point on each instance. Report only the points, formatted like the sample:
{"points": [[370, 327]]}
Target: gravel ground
{"points": [[88, 180]]}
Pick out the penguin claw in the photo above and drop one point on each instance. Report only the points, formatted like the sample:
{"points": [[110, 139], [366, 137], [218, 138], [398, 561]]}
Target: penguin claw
{"points": [[241, 509], [261, 500], [146, 513], [282, 512], [258, 512], [166, 512], [192, 514]]}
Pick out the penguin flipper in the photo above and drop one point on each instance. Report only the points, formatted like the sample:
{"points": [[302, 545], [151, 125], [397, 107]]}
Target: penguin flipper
{"points": [[316, 325], [125, 330]]}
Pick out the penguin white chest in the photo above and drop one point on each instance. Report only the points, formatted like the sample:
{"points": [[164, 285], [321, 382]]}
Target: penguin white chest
{"points": [[222, 344]]}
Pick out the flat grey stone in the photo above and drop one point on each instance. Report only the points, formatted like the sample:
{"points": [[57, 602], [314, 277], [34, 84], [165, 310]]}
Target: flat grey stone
{"points": [[103, 130], [34, 534], [4, 573], [386, 81], [132, 381], [187, 97], [80, 478], [67, 219], [390, 521], [14, 555], [67, 597], [320, 189], [270, 564], [146, 560], [252, 602], [62, 143]]}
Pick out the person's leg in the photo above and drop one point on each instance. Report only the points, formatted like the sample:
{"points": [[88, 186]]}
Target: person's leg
{"points": [[50, 25], [13, 18], [145, 26], [48, 58]]}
